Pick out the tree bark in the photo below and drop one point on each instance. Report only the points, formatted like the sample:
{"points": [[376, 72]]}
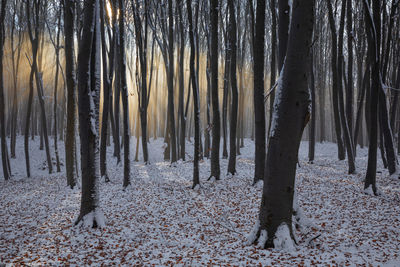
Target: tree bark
{"points": [[233, 83], [4, 152], [69, 28], [89, 93], [196, 106], [335, 93], [258, 81], [124, 93], [216, 127], [290, 117]]}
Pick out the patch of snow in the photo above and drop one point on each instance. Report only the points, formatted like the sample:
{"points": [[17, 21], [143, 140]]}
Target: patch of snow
{"points": [[262, 239], [259, 184], [253, 234], [369, 190], [282, 240]]}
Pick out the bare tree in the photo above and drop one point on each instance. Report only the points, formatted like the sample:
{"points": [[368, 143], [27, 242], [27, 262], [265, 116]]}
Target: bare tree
{"points": [[69, 29], [258, 80], [124, 92], [216, 127], [4, 152], [289, 119], [89, 94], [233, 83]]}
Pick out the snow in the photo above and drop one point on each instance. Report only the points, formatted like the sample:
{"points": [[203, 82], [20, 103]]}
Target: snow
{"points": [[263, 239], [282, 239], [96, 215], [161, 221], [277, 103], [369, 191], [253, 234]]}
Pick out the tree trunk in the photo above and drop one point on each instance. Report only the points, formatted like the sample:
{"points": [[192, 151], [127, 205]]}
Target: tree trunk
{"points": [[311, 143], [233, 83], [335, 93], [290, 117], [171, 83], [69, 19], [124, 92], [341, 78], [216, 128], [89, 94], [374, 45], [196, 106], [107, 73], [4, 152], [258, 81]]}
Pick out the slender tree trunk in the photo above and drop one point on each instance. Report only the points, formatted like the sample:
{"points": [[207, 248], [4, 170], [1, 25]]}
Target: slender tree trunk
{"points": [[196, 106], [311, 143], [4, 152], [124, 92], [55, 92], [233, 83], [69, 19], [106, 90], [335, 81]]}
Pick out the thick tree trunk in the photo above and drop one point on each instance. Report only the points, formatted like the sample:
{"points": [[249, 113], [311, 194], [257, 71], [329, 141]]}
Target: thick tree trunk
{"points": [[216, 127], [89, 94], [290, 117], [374, 44], [258, 81]]}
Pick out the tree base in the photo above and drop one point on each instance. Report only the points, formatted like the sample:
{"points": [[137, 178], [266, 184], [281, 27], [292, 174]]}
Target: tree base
{"points": [[94, 219]]}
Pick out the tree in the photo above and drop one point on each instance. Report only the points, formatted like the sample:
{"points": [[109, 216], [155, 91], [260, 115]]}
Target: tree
{"points": [[108, 71], [34, 37], [56, 45], [4, 152], [258, 80], [335, 94], [69, 28], [89, 93], [171, 109], [341, 78], [16, 24], [124, 91], [216, 126], [233, 83], [196, 106], [141, 32], [373, 23], [289, 119]]}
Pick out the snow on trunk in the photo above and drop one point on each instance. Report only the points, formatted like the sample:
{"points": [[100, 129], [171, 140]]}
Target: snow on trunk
{"points": [[282, 240]]}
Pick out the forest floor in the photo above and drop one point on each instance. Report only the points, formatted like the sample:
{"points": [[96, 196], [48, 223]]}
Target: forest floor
{"points": [[161, 221]]}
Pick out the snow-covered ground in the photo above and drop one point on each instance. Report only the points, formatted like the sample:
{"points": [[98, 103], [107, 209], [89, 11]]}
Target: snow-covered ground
{"points": [[160, 220]]}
